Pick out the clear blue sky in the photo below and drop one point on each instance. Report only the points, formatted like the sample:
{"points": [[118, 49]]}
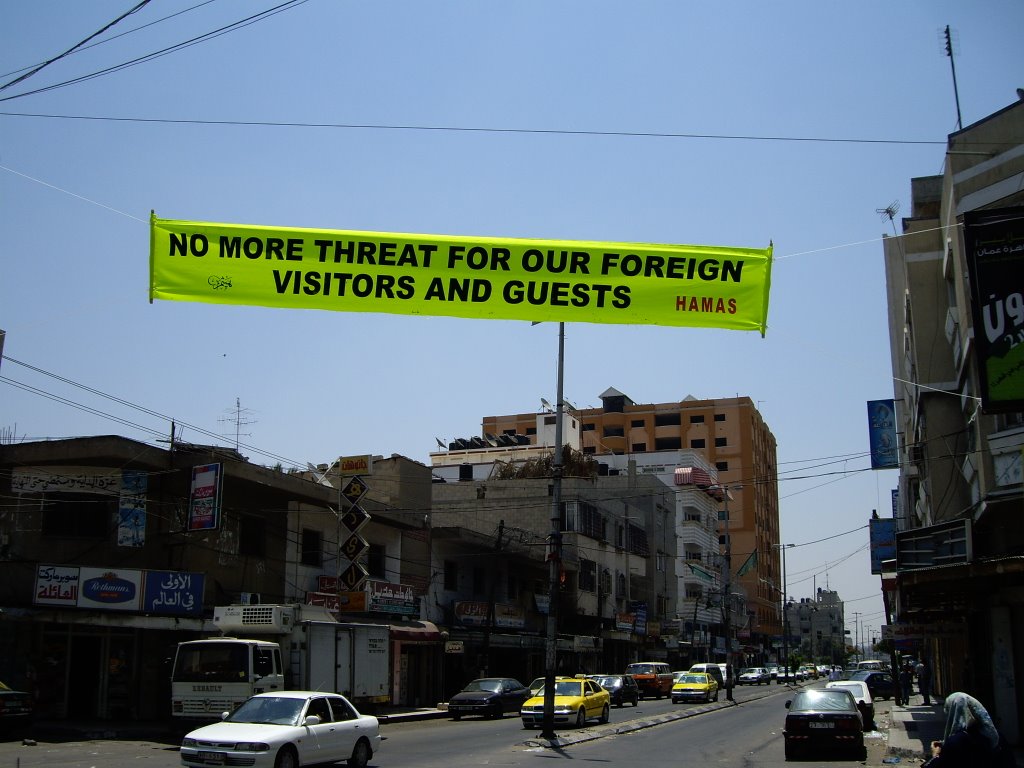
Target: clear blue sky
{"points": [[722, 124]]}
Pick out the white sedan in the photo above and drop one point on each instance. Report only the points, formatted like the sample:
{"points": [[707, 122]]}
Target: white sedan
{"points": [[286, 729]]}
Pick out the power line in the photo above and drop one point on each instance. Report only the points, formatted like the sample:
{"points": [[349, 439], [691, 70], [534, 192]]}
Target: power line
{"points": [[467, 129], [163, 52]]}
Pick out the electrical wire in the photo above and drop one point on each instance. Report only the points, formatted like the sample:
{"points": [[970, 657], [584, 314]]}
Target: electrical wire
{"points": [[165, 51]]}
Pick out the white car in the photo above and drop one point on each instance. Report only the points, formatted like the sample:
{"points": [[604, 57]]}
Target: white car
{"points": [[286, 729], [754, 676]]}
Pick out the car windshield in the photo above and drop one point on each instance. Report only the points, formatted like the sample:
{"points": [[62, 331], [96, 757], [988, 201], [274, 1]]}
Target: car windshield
{"points": [[832, 700], [609, 682], [269, 710], [568, 688], [692, 679], [640, 669], [491, 686]]}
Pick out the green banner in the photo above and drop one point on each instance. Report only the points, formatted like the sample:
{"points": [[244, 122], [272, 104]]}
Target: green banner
{"points": [[460, 276]]}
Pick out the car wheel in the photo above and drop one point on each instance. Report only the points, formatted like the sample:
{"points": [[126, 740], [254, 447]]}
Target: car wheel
{"points": [[605, 714], [287, 758], [636, 701], [581, 718], [790, 751], [456, 717], [361, 754], [716, 694]]}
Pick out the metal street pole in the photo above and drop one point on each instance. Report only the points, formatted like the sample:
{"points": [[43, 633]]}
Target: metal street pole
{"points": [[727, 597], [554, 555], [785, 616]]}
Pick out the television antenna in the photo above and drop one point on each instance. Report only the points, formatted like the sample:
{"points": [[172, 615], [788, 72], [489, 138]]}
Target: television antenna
{"points": [[889, 212], [239, 419]]}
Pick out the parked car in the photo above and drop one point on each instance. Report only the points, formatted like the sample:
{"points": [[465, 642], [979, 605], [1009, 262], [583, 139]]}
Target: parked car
{"points": [[863, 697], [654, 678], [879, 683], [286, 729], [577, 699], [827, 719], [695, 686], [15, 710], [622, 688], [773, 671], [754, 676], [488, 697], [536, 685]]}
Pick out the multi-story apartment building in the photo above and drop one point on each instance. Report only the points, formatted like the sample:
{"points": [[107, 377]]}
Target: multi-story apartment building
{"points": [[959, 576], [490, 540], [734, 439], [817, 628]]}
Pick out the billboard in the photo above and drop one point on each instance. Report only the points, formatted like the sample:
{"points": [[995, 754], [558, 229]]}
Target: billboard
{"points": [[994, 245], [882, 434]]}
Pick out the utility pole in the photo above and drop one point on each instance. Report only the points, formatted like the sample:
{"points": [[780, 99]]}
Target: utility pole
{"points": [[554, 555], [856, 633], [727, 597], [486, 666]]}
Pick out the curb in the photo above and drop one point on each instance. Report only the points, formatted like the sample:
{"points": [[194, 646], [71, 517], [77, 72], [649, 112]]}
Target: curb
{"points": [[636, 725]]}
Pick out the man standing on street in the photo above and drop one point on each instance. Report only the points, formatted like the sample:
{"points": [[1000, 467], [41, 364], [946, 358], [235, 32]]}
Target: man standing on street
{"points": [[923, 671]]}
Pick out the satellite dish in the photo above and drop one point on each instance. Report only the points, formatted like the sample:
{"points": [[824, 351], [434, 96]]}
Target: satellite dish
{"points": [[439, 442], [545, 404], [320, 478]]}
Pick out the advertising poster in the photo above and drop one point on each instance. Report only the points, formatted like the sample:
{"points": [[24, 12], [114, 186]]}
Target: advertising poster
{"points": [[882, 434], [994, 244], [204, 499]]}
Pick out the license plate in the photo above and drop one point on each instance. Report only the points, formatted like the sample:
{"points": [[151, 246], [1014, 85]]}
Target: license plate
{"points": [[821, 725], [213, 758]]}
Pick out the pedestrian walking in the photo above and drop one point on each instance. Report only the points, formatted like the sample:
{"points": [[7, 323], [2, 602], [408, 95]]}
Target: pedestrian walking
{"points": [[906, 683], [923, 672]]}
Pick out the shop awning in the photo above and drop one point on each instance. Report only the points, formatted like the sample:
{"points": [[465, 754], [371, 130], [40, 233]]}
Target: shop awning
{"points": [[415, 632]]}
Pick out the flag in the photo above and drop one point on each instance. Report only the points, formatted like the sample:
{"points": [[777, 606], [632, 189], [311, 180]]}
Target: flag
{"points": [[701, 573], [749, 564]]}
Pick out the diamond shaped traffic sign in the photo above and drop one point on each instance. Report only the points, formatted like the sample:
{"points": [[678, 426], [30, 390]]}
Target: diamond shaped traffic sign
{"points": [[354, 489], [354, 546], [355, 518], [353, 577]]}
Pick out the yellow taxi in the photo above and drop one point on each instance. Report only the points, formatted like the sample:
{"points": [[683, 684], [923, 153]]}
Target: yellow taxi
{"points": [[694, 686], [577, 699]]}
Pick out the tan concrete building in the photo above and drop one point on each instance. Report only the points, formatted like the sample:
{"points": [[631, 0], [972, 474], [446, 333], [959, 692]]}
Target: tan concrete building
{"points": [[955, 596], [734, 438]]}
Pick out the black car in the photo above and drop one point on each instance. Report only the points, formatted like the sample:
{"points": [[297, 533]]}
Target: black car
{"points": [[489, 697], [824, 719], [15, 711], [879, 683], [623, 688]]}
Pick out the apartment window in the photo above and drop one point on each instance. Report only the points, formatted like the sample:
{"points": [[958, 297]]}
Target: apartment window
{"points": [[531, 430], [620, 584], [667, 420], [585, 427], [77, 515], [699, 419], [451, 575], [376, 561], [312, 547], [659, 561], [636, 423], [699, 443], [252, 536], [614, 432], [549, 421], [721, 442], [719, 417], [668, 444], [639, 447], [636, 540], [588, 576], [722, 466], [694, 593]]}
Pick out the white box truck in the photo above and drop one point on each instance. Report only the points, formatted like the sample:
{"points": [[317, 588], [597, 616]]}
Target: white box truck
{"points": [[278, 647]]}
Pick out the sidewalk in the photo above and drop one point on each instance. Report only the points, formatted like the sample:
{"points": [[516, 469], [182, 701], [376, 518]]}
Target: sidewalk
{"points": [[914, 726]]}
